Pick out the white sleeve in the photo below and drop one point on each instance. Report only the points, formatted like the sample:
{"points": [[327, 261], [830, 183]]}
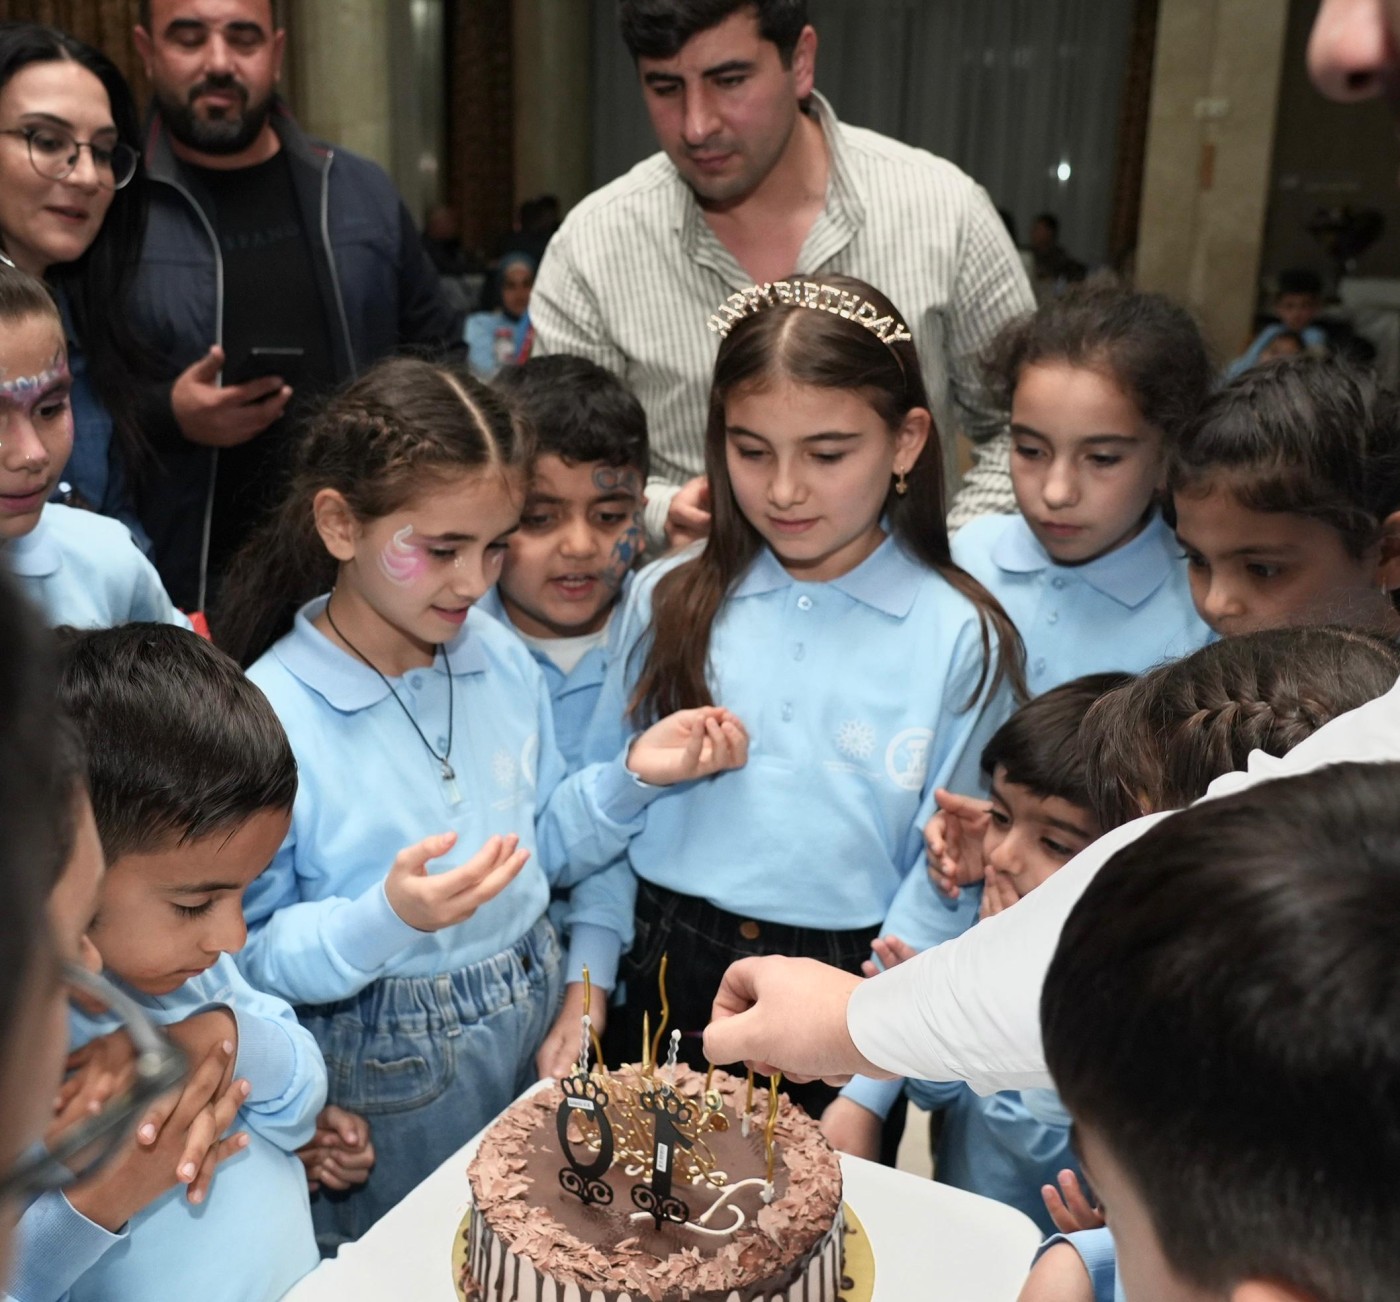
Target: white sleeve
{"points": [[969, 1009]]}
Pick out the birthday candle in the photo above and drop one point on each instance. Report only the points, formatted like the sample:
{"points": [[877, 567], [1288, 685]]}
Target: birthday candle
{"points": [[769, 1132], [665, 1014], [748, 1106]]}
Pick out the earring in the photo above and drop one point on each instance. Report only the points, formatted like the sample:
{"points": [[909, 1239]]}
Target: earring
{"points": [[901, 484]]}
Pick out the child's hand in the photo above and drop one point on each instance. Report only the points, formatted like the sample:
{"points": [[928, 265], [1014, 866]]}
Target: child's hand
{"points": [[177, 1142], [850, 1128], [340, 1154], [1069, 1206], [204, 1032], [998, 894], [891, 951], [689, 744], [98, 1071], [559, 1052], [432, 901], [953, 839]]}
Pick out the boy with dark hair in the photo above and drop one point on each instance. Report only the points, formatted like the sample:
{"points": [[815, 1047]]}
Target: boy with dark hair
{"points": [[656, 29], [1233, 1070], [566, 570], [581, 532], [192, 782], [1297, 304], [1007, 1146]]}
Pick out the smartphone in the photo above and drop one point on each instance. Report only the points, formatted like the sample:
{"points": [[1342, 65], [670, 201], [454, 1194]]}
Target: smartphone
{"points": [[263, 362]]}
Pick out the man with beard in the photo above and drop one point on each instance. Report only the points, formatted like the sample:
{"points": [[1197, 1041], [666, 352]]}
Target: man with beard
{"points": [[274, 268]]}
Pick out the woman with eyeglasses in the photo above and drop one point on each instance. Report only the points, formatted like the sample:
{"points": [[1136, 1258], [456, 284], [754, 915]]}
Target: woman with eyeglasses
{"points": [[72, 213]]}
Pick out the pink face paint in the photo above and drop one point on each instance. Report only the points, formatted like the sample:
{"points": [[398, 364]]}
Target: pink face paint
{"points": [[400, 561], [25, 392]]}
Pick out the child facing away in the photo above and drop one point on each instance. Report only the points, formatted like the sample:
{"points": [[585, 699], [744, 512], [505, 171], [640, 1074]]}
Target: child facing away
{"points": [[419, 722], [1164, 736], [825, 610], [1221, 1019], [191, 783], [1297, 306], [79, 568], [564, 573], [1100, 383], [1005, 1146], [1286, 495]]}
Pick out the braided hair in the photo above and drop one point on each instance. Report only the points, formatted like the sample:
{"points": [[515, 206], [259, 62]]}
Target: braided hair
{"points": [[1159, 741], [392, 434]]}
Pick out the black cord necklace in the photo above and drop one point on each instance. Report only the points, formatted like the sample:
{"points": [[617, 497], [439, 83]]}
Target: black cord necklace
{"points": [[449, 774]]}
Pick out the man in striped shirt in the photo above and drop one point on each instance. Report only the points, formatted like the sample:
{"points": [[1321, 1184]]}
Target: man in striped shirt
{"points": [[756, 181]]}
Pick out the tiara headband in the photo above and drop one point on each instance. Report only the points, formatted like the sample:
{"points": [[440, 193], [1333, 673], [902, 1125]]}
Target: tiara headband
{"points": [[808, 293]]}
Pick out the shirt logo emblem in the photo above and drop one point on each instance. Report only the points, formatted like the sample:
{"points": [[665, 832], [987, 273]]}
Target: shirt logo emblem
{"points": [[855, 739], [906, 758]]}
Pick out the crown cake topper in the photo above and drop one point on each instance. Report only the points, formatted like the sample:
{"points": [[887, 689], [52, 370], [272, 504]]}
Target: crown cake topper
{"points": [[812, 294]]}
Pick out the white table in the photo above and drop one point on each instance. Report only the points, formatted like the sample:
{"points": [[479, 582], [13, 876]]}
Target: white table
{"points": [[931, 1243]]}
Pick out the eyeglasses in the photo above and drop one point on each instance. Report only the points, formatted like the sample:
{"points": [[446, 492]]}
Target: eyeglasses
{"points": [[53, 153], [158, 1066]]}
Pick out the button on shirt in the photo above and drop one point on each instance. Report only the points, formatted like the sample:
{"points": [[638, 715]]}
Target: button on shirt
{"points": [[634, 273], [320, 925], [846, 742], [1127, 610], [85, 569]]}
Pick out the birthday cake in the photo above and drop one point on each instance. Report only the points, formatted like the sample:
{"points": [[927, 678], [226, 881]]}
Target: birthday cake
{"points": [[641, 1185]]}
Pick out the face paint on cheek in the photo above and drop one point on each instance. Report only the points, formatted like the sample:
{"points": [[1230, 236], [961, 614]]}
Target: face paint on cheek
{"points": [[400, 562], [625, 552]]}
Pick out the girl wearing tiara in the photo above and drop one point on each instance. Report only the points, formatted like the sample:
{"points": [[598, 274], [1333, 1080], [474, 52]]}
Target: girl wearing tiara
{"points": [[824, 611]]}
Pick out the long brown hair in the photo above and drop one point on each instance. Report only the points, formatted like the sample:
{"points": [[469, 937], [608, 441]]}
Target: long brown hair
{"points": [[809, 346], [379, 443]]}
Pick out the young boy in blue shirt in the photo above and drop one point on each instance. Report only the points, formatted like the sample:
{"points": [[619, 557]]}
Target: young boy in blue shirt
{"points": [[1009, 1145], [565, 572], [1221, 1020], [191, 782]]}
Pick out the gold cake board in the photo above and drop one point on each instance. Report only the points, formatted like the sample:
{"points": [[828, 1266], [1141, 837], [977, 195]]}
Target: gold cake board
{"points": [[859, 1264]]}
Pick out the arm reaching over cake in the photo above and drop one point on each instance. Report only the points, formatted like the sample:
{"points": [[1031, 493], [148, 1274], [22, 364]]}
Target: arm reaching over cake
{"points": [[786, 1014]]}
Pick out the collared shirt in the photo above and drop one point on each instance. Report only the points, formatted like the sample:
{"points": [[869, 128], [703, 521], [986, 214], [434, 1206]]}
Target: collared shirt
{"points": [[859, 696], [259, 1198], [86, 570], [635, 272], [597, 927], [1127, 610], [321, 928], [970, 1010]]}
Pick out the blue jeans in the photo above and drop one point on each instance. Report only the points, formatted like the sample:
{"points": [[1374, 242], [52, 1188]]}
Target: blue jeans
{"points": [[429, 1061]]}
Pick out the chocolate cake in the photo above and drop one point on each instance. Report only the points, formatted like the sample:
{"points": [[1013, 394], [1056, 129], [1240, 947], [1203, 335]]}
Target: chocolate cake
{"points": [[725, 1235]]}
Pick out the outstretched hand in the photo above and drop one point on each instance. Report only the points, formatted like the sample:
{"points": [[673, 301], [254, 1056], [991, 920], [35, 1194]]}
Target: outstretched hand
{"points": [[1069, 1205], [788, 1015], [891, 951], [432, 901], [689, 744], [953, 840]]}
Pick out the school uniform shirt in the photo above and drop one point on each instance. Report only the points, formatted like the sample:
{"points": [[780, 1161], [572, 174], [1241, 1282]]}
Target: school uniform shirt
{"points": [[252, 1236], [320, 925], [860, 696], [586, 913], [1127, 610], [1005, 1146], [84, 569], [970, 1010]]}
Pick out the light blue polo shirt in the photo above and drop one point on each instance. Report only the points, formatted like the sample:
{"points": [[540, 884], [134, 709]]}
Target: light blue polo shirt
{"points": [[573, 695], [856, 695], [321, 928], [1128, 610], [85, 569], [252, 1237]]}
